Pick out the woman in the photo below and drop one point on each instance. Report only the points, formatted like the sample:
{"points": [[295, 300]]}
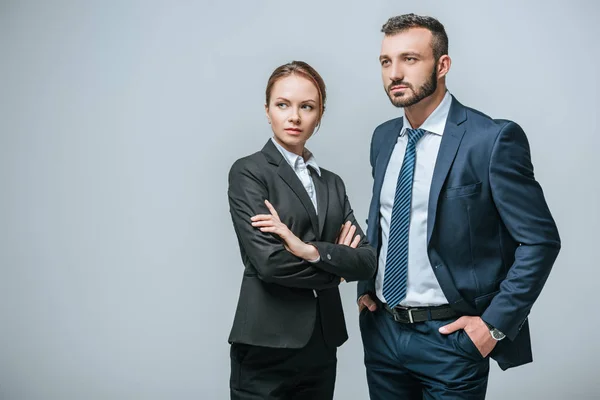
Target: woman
{"points": [[287, 213]]}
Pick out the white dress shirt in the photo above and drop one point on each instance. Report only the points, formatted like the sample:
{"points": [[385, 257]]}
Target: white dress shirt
{"points": [[423, 288]]}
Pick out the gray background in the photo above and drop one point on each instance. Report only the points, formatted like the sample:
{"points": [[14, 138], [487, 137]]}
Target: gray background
{"points": [[119, 268]]}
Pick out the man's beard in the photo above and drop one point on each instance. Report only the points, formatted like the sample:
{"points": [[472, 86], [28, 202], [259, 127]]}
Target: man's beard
{"points": [[407, 100]]}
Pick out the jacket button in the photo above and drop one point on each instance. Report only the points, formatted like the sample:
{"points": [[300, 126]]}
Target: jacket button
{"points": [[329, 256]]}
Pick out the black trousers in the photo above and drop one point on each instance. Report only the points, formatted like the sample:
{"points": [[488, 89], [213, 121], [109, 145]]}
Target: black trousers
{"points": [[266, 373]]}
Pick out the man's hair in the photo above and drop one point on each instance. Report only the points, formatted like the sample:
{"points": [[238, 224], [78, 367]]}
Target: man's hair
{"points": [[401, 23]]}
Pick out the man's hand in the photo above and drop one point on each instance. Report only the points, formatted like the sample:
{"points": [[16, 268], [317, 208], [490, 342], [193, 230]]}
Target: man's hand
{"points": [[272, 224], [477, 330], [366, 301]]}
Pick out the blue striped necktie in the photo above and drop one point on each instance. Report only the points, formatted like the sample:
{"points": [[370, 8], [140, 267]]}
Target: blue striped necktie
{"points": [[396, 264]]}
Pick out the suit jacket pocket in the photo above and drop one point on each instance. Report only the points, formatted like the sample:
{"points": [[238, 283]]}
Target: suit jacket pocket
{"points": [[466, 190], [482, 302]]}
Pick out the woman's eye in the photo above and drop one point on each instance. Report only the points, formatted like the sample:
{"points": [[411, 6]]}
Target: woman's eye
{"points": [[307, 107], [281, 105]]}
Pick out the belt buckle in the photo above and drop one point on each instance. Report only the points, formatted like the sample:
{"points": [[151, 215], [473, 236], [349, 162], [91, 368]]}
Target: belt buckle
{"points": [[410, 316], [398, 317]]}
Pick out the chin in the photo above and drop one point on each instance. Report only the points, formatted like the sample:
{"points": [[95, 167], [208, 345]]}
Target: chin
{"points": [[290, 140], [402, 101]]}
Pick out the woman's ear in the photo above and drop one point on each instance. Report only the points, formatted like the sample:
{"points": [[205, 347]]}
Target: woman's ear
{"points": [[267, 113]]}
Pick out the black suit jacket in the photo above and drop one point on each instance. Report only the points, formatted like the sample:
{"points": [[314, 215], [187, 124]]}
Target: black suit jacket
{"points": [[277, 305]]}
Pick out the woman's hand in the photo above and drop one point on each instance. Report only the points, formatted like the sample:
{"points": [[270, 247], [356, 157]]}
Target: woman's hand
{"points": [[347, 234], [272, 224], [345, 237]]}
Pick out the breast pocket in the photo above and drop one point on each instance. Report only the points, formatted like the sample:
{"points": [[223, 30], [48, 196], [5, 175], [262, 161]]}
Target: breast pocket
{"points": [[460, 191]]}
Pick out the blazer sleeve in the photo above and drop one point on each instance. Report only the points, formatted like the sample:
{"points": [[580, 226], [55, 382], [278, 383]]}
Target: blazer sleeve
{"points": [[523, 210], [266, 252], [367, 286], [351, 264]]}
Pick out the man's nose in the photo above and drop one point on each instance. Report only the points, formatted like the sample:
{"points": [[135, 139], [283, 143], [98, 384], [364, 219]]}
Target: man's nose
{"points": [[396, 72]]}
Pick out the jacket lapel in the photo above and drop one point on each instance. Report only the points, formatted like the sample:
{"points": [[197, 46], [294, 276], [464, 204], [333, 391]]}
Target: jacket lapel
{"points": [[384, 153], [322, 199], [291, 179], [453, 134]]}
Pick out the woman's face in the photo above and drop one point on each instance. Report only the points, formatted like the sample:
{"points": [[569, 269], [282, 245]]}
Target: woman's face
{"points": [[293, 111]]}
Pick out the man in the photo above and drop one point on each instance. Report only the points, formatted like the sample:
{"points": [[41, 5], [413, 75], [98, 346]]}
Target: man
{"points": [[464, 237]]}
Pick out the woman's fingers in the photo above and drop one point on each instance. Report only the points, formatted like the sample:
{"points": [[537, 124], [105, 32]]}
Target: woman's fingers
{"points": [[263, 223], [350, 235], [347, 236], [271, 209], [261, 217], [344, 232]]}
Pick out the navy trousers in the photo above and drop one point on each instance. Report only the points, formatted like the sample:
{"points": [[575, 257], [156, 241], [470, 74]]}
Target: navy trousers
{"points": [[415, 361]]}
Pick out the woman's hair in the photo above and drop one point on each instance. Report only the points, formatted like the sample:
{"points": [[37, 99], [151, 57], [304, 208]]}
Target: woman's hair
{"points": [[299, 68]]}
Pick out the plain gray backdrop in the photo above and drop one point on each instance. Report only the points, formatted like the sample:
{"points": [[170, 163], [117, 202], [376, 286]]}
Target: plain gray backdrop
{"points": [[119, 267]]}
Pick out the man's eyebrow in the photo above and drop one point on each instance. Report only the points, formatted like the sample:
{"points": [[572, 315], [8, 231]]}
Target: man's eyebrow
{"points": [[403, 54], [410, 53]]}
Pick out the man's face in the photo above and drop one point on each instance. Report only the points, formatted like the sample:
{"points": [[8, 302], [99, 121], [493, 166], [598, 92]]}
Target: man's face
{"points": [[408, 67]]}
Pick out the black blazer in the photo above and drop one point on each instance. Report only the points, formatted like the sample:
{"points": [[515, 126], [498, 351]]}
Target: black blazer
{"points": [[277, 305]]}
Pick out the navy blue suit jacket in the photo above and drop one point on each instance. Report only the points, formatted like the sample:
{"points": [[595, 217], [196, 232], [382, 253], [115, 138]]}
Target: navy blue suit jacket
{"points": [[491, 238]]}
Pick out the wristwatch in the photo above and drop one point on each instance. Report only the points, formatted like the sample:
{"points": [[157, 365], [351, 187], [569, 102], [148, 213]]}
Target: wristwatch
{"points": [[496, 334]]}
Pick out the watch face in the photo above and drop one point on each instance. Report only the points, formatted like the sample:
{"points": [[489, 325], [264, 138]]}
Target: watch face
{"points": [[496, 334]]}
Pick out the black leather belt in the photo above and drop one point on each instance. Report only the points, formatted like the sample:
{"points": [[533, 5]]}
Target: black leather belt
{"points": [[410, 315]]}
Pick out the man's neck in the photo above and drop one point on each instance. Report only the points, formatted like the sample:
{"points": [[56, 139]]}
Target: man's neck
{"points": [[418, 113]]}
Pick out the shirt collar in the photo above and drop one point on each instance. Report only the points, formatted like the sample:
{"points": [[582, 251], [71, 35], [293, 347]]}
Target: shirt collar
{"points": [[436, 122], [294, 159]]}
